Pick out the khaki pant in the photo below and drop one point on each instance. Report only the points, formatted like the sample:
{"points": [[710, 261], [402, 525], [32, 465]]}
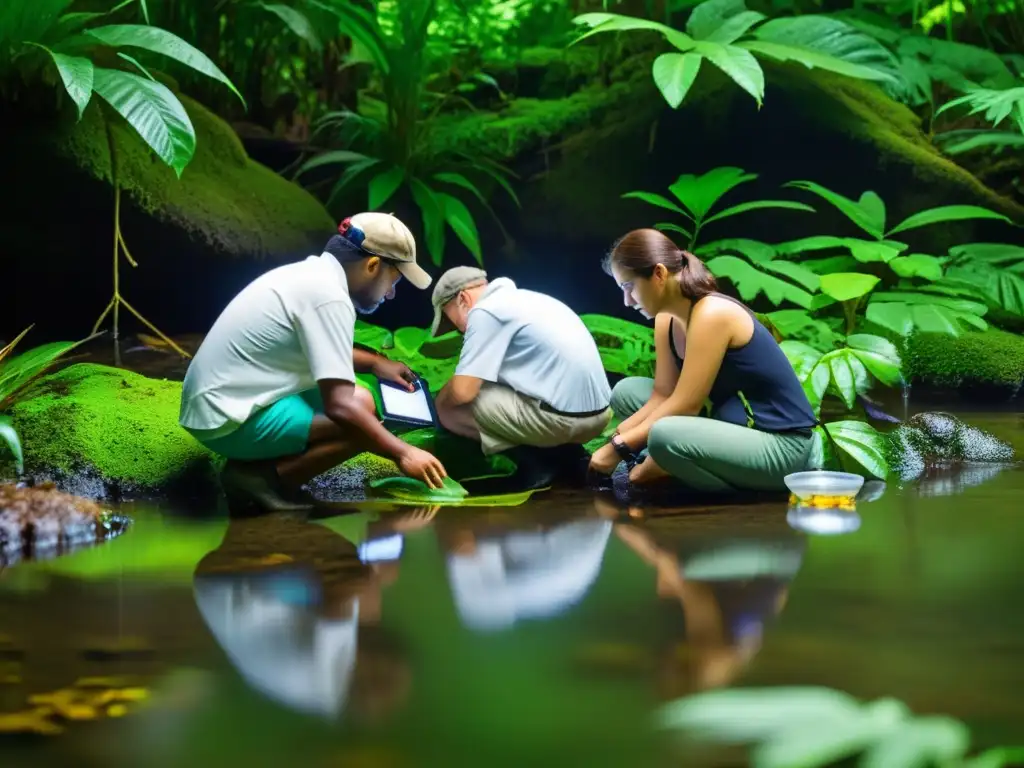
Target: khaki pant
{"points": [[507, 418]]}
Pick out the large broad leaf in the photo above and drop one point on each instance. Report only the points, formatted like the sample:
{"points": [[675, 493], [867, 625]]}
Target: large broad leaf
{"points": [[613, 22], [862, 442], [721, 21], [1001, 287], [738, 63], [846, 286], [9, 437], [862, 213], [416, 490], [658, 200], [462, 222], [373, 336], [750, 282], [353, 173], [20, 371], [917, 265], [433, 219], [947, 213], [803, 357], [959, 65], [879, 356], [384, 185], [755, 250], [76, 72], [905, 312], [21, 21], [667, 226], [163, 42], [825, 43], [335, 157], [297, 21], [994, 254], [700, 193], [153, 111], [408, 340], [674, 73], [846, 373], [755, 205], [798, 273], [796, 324], [920, 742]]}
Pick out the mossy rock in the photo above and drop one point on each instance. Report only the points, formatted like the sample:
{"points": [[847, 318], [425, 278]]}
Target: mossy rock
{"points": [[978, 364], [236, 206], [101, 432]]}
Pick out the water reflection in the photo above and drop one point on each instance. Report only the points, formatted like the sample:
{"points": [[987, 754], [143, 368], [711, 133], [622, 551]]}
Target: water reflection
{"points": [[296, 608], [950, 481]]}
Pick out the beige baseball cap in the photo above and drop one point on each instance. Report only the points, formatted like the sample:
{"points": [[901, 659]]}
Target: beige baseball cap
{"points": [[448, 287], [382, 234]]}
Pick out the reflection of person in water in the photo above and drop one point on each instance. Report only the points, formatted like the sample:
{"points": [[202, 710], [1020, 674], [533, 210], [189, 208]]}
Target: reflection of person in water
{"points": [[500, 576], [729, 588], [297, 608]]}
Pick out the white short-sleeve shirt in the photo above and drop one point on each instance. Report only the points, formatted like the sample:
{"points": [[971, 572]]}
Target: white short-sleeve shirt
{"points": [[536, 345], [288, 329]]}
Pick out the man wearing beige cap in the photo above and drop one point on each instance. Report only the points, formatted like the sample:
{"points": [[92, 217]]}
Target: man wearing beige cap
{"points": [[529, 379], [273, 385]]}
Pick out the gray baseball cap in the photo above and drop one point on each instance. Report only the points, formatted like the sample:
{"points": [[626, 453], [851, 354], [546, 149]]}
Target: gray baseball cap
{"points": [[447, 288]]}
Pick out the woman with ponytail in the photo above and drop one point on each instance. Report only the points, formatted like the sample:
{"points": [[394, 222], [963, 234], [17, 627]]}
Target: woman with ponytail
{"points": [[710, 349]]}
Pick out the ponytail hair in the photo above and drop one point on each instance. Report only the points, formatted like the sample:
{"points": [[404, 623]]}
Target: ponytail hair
{"points": [[641, 250]]}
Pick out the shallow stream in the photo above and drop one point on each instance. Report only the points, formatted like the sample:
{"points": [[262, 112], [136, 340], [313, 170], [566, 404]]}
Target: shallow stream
{"points": [[546, 634]]}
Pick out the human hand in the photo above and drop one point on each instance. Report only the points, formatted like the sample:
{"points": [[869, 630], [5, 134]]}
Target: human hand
{"points": [[418, 518], [605, 459], [420, 465], [394, 371]]}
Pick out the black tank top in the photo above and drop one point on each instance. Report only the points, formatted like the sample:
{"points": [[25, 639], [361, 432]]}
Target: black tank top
{"points": [[756, 385]]}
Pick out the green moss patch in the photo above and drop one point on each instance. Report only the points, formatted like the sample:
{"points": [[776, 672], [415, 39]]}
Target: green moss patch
{"points": [[988, 359], [117, 424], [233, 203]]}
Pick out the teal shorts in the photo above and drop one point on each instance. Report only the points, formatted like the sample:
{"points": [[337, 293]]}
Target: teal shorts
{"points": [[280, 429]]}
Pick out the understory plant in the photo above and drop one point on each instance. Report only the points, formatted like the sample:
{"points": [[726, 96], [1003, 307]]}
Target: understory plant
{"points": [[825, 289], [813, 727], [730, 36], [16, 373], [388, 146]]}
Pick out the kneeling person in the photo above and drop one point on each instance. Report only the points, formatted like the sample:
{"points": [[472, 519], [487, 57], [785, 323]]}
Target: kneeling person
{"points": [[529, 374], [273, 386]]}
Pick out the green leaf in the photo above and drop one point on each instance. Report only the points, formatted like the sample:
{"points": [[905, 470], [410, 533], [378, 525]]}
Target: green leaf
{"points": [[845, 286], [384, 185], [1000, 287], [947, 213], [906, 312], [839, 364], [710, 16], [827, 43], [923, 741], [76, 72], [297, 21], [750, 282], [700, 193], [758, 204], [674, 73], [803, 357], [879, 356], [867, 251], [959, 142], [9, 435], [136, 63], [994, 254], [433, 219], [917, 265], [161, 41], [831, 264], [352, 173], [658, 200], [755, 250], [461, 221], [20, 371], [865, 444], [461, 181], [738, 63], [499, 173], [373, 336], [669, 227], [613, 22], [874, 208], [996, 104], [865, 219], [796, 272], [153, 111], [997, 757], [408, 340], [340, 157], [796, 324], [416, 490]]}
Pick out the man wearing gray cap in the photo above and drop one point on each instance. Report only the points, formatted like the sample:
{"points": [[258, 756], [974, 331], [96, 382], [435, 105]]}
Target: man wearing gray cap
{"points": [[529, 379]]}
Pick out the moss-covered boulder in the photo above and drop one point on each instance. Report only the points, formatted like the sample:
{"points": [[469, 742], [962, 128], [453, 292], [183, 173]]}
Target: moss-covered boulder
{"points": [[979, 365], [106, 432], [940, 440]]}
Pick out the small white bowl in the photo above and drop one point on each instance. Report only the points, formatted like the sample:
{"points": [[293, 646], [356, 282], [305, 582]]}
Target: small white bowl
{"points": [[823, 483]]}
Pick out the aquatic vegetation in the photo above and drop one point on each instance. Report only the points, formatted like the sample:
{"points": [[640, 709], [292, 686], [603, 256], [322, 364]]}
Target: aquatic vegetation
{"points": [[817, 726], [928, 441], [722, 32], [411, 489]]}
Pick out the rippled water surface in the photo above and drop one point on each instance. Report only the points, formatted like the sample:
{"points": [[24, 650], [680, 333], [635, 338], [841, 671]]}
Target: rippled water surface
{"points": [[543, 634]]}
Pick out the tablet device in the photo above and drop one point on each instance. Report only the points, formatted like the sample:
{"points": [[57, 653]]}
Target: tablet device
{"points": [[414, 408]]}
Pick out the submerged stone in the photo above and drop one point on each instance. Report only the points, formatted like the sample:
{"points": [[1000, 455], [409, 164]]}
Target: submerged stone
{"points": [[930, 440]]}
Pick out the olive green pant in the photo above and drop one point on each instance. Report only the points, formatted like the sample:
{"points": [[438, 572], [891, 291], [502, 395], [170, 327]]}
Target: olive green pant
{"points": [[710, 455]]}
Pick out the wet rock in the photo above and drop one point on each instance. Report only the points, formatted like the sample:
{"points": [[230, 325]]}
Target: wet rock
{"points": [[43, 521], [933, 440]]}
